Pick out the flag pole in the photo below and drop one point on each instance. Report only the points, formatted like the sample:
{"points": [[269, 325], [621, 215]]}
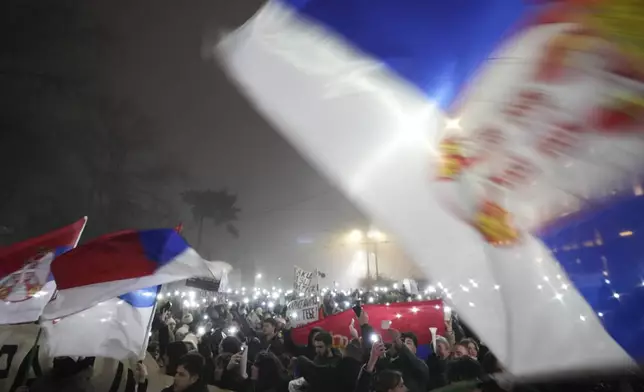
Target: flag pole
{"points": [[146, 338]]}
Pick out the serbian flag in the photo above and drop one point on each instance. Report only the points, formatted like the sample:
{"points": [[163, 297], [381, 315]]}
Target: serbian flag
{"points": [[473, 131], [26, 284], [115, 264], [117, 328], [416, 317]]}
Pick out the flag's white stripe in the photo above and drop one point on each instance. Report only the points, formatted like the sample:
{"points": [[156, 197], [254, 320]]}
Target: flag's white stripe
{"points": [[186, 265], [375, 136], [112, 329]]}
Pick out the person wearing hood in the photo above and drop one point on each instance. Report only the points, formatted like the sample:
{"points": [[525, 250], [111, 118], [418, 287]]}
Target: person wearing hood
{"points": [[295, 350]]}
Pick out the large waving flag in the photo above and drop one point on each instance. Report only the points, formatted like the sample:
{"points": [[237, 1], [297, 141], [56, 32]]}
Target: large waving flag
{"points": [[119, 263], [117, 328], [498, 144], [416, 317], [26, 284]]}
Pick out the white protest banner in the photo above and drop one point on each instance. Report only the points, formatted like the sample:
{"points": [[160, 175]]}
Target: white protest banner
{"points": [[15, 343], [303, 281], [303, 311]]}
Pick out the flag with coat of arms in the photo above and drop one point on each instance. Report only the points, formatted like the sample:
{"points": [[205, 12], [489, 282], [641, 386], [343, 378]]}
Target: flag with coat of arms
{"points": [[26, 283]]}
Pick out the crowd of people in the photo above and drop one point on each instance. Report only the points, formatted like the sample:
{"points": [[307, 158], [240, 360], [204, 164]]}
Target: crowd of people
{"points": [[236, 354], [233, 347]]}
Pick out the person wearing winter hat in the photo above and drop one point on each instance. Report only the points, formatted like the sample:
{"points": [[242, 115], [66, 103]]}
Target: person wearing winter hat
{"points": [[181, 333]]}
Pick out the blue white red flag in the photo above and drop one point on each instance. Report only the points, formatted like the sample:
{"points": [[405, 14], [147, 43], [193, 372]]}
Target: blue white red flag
{"points": [[116, 328], [498, 140], [26, 284], [115, 264]]}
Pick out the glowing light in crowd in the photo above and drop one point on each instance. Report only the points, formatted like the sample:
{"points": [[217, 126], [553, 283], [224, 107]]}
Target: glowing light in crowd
{"points": [[159, 296], [246, 300], [205, 317], [176, 293], [346, 304], [232, 330], [271, 305], [374, 338], [192, 294], [258, 276], [370, 300], [201, 331], [414, 310], [294, 315]]}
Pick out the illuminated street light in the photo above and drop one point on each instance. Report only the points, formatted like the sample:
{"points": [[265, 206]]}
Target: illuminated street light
{"points": [[376, 235], [355, 236]]}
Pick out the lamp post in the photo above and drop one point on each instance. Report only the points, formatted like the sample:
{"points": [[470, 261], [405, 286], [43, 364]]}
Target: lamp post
{"points": [[373, 237]]}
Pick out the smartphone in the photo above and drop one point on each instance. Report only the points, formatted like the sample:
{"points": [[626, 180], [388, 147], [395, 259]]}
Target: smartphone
{"points": [[357, 308]]}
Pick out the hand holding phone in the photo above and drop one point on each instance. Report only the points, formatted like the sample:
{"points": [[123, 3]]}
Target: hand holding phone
{"points": [[357, 308]]}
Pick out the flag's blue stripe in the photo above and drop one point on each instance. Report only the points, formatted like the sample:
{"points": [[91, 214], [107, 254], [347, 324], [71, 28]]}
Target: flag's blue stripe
{"points": [[162, 245], [615, 265], [435, 45], [143, 298], [57, 252]]}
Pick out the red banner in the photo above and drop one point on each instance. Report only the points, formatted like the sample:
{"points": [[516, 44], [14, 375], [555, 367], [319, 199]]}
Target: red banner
{"points": [[414, 317]]}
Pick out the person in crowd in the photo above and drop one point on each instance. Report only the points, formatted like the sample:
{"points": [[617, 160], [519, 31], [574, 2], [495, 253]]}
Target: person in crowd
{"points": [[348, 368], [320, 374], [295, 350], [189, 375], [402, 357], [228, 374], [367, 381], [472, 348], [181, 333], [191, 337], [230, 345], [437, 362], [268, 374], [269, 339], [460, 350], [464, 369], [175, 352]]}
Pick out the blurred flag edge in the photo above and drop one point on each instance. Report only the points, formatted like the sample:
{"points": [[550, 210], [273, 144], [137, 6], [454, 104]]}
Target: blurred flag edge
{"points": [[119, 263]]}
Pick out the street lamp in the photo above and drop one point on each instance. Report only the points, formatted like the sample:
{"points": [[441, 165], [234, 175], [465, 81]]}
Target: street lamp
{"points": [[355, 236], [373, 237]]}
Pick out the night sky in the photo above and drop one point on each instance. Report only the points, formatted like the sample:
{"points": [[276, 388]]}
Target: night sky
{"points": [[74, 75]]}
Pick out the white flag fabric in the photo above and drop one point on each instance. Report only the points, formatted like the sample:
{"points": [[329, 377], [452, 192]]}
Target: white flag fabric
{"points": [[446, 123], [117, 328]]}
